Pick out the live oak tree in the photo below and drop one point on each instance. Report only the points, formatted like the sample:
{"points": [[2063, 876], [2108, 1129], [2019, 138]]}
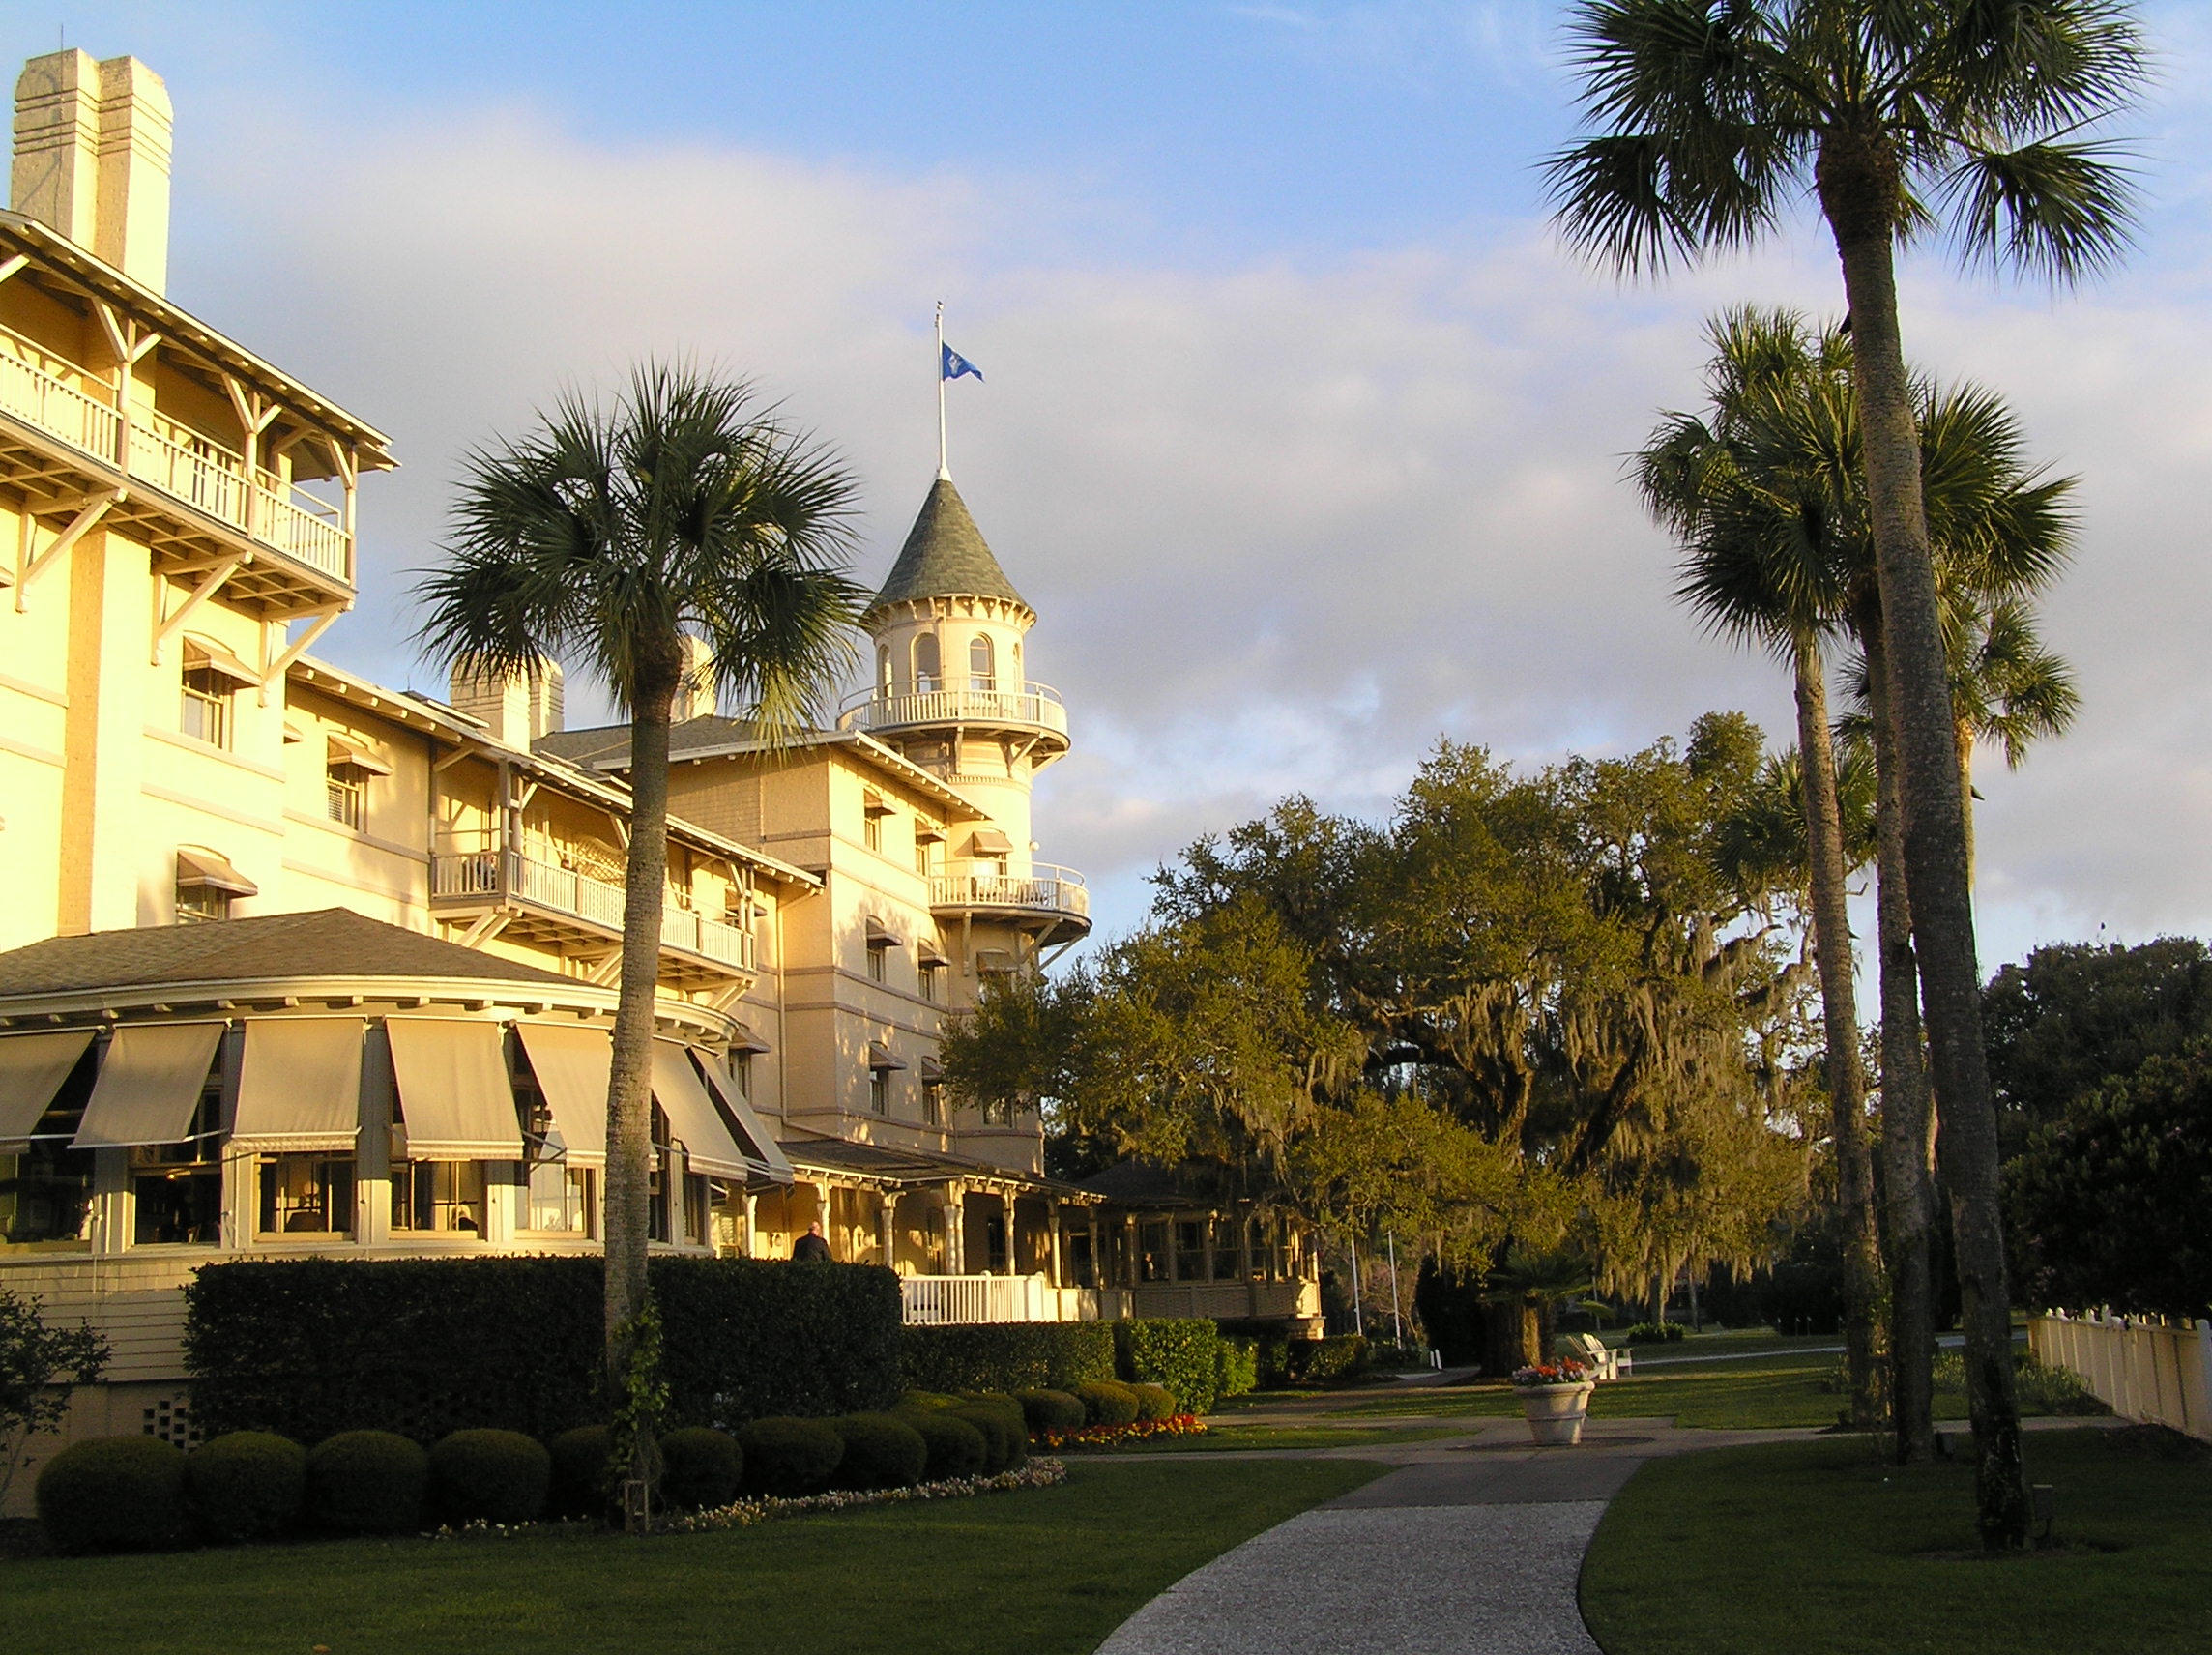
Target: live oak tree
{"points": [[684, 509]]}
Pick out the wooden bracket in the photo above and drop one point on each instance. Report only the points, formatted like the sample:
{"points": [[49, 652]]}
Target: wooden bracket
{"points": [[207, 589], [300, 646], [28, 568]]}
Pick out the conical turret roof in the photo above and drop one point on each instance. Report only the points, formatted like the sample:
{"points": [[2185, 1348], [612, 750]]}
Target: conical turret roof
{"points": [[944, 556]]}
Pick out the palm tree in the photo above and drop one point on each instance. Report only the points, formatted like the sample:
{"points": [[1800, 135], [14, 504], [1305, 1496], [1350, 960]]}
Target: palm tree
{"points": [[607, 538], [1762, 563], [1715, 114]]}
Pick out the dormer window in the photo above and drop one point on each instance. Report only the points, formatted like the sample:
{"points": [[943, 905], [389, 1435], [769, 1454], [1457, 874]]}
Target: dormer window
{"points": [[212, 678], [205, 884]]}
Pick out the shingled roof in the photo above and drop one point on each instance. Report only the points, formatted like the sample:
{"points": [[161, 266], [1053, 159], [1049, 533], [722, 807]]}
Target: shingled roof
{"points": [[326, 942], [944, 556]]}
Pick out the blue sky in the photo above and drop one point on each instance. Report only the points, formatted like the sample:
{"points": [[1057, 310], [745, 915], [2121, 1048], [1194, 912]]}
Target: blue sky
{"points": [[1300, 433]]}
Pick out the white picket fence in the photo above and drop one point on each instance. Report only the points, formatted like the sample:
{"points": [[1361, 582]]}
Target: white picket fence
{"points": [[2142, 1368]]}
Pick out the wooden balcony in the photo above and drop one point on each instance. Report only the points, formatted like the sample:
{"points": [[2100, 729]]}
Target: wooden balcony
{"points": [[1055, 897], [193, 501], [1035, 710], [582, 915]]}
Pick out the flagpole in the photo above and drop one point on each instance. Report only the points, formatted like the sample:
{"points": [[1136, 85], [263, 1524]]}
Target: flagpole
{"points": [[944, 467]]}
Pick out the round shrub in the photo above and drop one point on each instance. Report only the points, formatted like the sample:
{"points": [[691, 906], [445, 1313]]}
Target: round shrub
{"points": [[1005, 1440], [248, 1485], [491, 1476], [789, 1457], [881, 1451], [956, 1448], [367, 1482], [1107, 1402], [926, 1398], [1051, 1410], [700, 1467], [583, 1482], [113, 1493], [1154, 1402]]}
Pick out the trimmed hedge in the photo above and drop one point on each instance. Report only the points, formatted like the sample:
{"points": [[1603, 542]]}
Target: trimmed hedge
{"points": [[881, 1451], [1236, 1367], [1007, 1356], [583, 1479], [790, 1457], [956, 1447], [700, 1467], [1051, 1410], [367, 1482], [249, 1485], [1154, 1402], [1319, 1361], [113, 1493], [1005, 1436], [1107, 1402], [425, 1347], [490, 1477], [1182, 1354]]}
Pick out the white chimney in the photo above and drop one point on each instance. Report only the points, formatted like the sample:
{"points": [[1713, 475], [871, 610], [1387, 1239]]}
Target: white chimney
{"points": [[516, 708], [92, 159], [695, 691]]}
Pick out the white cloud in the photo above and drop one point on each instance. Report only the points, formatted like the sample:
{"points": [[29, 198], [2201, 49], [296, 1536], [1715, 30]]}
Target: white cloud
{"points": [[1285, 524]]}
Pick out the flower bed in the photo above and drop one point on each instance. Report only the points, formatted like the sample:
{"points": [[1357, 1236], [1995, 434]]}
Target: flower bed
{"points": [[1114, 1436]]}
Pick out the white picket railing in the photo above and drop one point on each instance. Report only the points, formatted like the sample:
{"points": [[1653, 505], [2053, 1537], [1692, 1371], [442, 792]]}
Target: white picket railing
{"points": [[939, 1301], [547, 885], [1043, 888], [180, 463], [2142, 1368], [1035, 706]]}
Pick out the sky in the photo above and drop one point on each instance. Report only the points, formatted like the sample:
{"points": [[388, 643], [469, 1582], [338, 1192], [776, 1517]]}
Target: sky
{"points": [[1300, 431]]}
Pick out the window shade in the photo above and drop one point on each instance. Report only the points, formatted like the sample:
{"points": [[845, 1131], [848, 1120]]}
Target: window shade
{"points": [[32, 1069], [299, 1089], [571, 1062], [149, 1086], [454, 1089], [692, 1116]]}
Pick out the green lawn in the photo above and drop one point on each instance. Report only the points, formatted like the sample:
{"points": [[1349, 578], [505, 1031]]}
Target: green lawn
{"points": [[1805, 1547], [1222, 1439], [1036, 1572]]}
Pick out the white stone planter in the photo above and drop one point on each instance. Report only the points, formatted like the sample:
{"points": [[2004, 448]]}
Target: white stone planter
{"points": [[1555, 1412]]}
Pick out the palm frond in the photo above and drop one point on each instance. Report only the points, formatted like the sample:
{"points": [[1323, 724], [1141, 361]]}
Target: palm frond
{"points": [[2061, 211]]}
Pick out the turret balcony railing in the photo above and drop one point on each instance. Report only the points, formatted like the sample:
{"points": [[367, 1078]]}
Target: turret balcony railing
{"points": [[1043, 889], [970, 702], [180, 463], [510, 876]]}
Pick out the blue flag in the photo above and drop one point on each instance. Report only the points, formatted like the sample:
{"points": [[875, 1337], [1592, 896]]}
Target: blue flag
{"points": [[951, 365]]}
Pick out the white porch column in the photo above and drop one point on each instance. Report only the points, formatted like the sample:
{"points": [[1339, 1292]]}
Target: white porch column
{"points": [[1098, 1259], [955, 1229], [1052, 1245], [886, 1227], [748, 1237], [1006, 1221]]}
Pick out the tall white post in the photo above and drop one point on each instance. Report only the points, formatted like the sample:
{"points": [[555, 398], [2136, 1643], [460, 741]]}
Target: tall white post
{"points": [[944, 463]]}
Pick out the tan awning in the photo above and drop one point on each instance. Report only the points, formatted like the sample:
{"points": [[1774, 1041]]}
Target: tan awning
{"points": [[299, 1089], [873, 804], [879, 1056], [346, 750], [931, 1069], [571, 1062], [196, 864], [927, 832], [994, 959], [753, 1139], [454, 1089], [928, 953], [32, 1069], [881, 935], [692, 1116], [149, 1086], [212, 653], [990, 842], [748, 1041]]}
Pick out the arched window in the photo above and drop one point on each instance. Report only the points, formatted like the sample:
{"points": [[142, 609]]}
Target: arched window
{"points": [[982, 673], [927, 673], [883, 670], [1015, 666]]}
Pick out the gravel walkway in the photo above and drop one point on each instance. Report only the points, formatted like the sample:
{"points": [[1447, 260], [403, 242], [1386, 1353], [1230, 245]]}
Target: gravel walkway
{"points": [[1473, 1546]]}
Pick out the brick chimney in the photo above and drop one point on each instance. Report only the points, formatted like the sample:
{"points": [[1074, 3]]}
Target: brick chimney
{"points": [[92, 159]]}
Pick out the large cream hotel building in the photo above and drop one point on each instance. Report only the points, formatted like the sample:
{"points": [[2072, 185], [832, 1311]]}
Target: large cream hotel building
{"points": [[294, 962]]}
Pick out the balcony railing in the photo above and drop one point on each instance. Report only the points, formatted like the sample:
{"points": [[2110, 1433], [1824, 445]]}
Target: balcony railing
{"points": [[180, 463], [1043, 889], [1035, 706], [497, 874]]}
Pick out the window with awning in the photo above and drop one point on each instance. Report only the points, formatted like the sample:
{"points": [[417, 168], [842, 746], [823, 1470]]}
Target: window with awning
{"points": [[693, 1119], [455, 1096], [571, 1064], [298, 1086], [752, 1137], [989, 842], [32, 1069], [149, 1084]]}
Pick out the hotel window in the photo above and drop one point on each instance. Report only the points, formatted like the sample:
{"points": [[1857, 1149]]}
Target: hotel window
{"points": [[657, 1213], [928, 673], [306, 1195], [932, 1103], [347, 787], [45, 1186], [879, 1091], [932, 975], [742, 1074], [1152, 1249], [207, 695], [557, 1198], [872, 831], [982, 670], [196, 902], [438, 1197], [921, 855], [698, 1209], [205, 884], [883, 670], [176, 1189], [1190, 1249]]}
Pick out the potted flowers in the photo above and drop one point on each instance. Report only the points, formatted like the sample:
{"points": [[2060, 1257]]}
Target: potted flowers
{"points": [[1555, 1395]]}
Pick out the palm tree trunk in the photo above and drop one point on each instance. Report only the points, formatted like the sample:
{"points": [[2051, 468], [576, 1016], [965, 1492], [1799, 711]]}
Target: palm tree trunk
{"points": [[630, 1077], [1865, 1346], [1964, 735], [1907, 1120], [1859, 182]]}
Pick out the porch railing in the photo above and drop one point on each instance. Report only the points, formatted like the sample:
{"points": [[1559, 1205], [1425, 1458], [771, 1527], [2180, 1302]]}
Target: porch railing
{"points": [[496, 874], [1043, 888]]}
